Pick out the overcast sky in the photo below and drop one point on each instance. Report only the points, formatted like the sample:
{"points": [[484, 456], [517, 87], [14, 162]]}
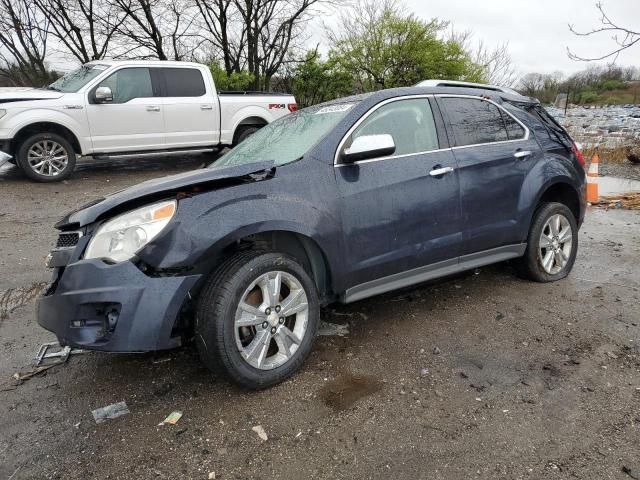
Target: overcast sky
{"points": [[537, 30]]}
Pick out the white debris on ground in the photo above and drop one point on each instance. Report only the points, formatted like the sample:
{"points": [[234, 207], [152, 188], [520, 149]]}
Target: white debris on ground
{"points": [[332, 330], [261, 433]]}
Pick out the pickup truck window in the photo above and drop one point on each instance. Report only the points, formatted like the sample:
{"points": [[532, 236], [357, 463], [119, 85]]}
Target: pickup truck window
{"points": [[288, 138], [129, 83], [76, 79], [183, 82], [409, 122]]}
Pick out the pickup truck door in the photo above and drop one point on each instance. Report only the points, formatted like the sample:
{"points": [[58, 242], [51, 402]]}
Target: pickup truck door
{"points": [[191, 108], [495, 153], [399, 214], [134, 120]]}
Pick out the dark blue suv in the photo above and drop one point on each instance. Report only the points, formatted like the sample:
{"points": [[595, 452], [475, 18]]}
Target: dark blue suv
{"points": [[336, 202]]}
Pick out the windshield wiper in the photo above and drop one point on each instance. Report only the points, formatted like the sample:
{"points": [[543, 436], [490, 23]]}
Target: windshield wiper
{"points": [[55, 89]]}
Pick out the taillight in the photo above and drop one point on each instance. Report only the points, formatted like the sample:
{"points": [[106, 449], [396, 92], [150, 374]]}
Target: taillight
{"points": [[292, 107], [578, 155]]}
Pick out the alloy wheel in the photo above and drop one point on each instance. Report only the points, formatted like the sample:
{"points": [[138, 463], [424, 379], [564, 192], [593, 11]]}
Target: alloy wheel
{"points": [[556, 243], [47, 158], [271, 320]]}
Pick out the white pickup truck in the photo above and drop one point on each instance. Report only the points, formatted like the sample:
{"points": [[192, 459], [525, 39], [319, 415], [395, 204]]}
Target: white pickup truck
{"points": [[116, 108]]}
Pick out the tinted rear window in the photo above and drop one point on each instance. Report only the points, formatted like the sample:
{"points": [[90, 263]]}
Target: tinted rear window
{"points": [[474, 121], [183, 82]]}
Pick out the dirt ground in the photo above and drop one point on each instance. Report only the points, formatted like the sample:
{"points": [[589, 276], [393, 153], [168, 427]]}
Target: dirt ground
{"points": [[482, 375]]}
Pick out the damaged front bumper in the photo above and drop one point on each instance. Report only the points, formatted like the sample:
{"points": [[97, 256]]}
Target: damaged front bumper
{"points": [[114, 308], [4, 156]]}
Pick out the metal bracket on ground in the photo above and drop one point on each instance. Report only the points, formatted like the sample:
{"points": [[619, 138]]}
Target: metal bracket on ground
{"points": [[61, 353]]}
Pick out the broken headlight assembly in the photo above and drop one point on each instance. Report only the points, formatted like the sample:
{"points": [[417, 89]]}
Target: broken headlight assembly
{"points": [[120, 238]]}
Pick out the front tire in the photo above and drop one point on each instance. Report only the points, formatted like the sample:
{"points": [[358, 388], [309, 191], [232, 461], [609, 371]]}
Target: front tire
{"points": [[46, 157], [257, 318], [552, 244]]}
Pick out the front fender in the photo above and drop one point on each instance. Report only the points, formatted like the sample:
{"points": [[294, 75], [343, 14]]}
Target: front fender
{"points": [[197, 239], [20, 120]]}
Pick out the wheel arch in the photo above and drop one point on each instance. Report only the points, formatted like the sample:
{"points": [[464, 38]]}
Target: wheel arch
{"points": [[298, 245], [46, 127], [562, 192], [253, 121]]}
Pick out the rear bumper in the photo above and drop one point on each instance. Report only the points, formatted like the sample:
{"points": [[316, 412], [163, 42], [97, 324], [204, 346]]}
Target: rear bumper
{"points": [[114, 308]]}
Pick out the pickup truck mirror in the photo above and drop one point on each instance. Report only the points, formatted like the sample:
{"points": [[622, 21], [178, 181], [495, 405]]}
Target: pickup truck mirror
{"points": [[369, 146], [103, 95]]}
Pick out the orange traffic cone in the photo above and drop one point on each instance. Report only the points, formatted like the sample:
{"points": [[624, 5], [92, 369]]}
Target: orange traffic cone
{"points": [[592, 180]]}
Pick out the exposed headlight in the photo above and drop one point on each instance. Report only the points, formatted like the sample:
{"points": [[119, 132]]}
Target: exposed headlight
{"points": [[122, 237], [3, 112]]}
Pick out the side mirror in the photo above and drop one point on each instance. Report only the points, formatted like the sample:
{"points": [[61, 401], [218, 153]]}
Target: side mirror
{"points": [[369, 146], [103, 95]]}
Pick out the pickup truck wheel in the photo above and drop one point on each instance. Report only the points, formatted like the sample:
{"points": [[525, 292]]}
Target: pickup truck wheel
{"points": [[257, 318], [46, 157], [244, 133], [552, 244]]}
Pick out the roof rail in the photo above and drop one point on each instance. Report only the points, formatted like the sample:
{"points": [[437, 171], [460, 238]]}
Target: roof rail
{"points": [[456, 83]]}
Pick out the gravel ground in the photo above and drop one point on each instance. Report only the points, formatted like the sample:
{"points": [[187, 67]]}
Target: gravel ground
{"points": [[624, 169], [482, 375]]}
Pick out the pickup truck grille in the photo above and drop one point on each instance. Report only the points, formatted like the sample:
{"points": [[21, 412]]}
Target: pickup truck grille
{"points": [[68, 239]]}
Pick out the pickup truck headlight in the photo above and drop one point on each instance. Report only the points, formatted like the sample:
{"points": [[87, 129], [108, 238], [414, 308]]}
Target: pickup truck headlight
{"points": [[3, 112], [122, 237]]}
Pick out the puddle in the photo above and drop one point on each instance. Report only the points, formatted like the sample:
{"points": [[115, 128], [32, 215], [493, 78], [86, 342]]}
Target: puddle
{"points": [[341, 393], [16, 297], [327, 329], [613, 186]]}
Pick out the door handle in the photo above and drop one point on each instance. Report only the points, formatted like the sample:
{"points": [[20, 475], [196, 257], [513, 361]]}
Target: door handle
{"points": [[438, 172], [153, 108], [522, 154], [206, 107]]}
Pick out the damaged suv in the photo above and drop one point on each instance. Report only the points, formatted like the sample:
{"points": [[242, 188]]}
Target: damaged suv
{"points": [[333, 203]]}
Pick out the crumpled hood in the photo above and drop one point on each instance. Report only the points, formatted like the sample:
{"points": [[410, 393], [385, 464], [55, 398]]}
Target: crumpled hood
{"points": [[17, 94], [157, 189]]}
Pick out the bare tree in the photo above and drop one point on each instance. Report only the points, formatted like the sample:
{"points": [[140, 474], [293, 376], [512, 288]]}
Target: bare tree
{"points": [[23, 43], [85, 28], [495, 64], [272, 28], [623, 36], [219, 21], [162, 29]]}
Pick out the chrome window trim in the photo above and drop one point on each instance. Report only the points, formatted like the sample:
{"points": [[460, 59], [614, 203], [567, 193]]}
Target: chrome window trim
{"points": [[364, 117], [410, 97], [500, 107]]}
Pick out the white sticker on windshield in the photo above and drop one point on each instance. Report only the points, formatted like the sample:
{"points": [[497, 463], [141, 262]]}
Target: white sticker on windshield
{"points": [[341, 107]]}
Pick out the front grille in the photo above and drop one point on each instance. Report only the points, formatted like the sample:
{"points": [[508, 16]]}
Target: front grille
{"points": [[68, 239]]}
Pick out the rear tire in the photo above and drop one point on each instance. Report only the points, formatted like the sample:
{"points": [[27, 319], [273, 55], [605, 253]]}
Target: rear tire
{"points": [[244, 133], [552, 244], [46, 157], [251, 347]]}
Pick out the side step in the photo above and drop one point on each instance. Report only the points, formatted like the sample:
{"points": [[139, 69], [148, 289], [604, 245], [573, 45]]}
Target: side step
{"points": [[156, 153]]}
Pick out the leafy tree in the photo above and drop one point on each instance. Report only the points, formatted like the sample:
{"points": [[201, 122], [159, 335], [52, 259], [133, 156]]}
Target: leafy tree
{"points": [[386, 48], [315, 80], [235, 81]]}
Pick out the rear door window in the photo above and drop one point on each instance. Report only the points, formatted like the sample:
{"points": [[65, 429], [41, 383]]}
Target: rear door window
{"points": [[514, 129], [183, 82], [474, 121], [409, 122]]}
